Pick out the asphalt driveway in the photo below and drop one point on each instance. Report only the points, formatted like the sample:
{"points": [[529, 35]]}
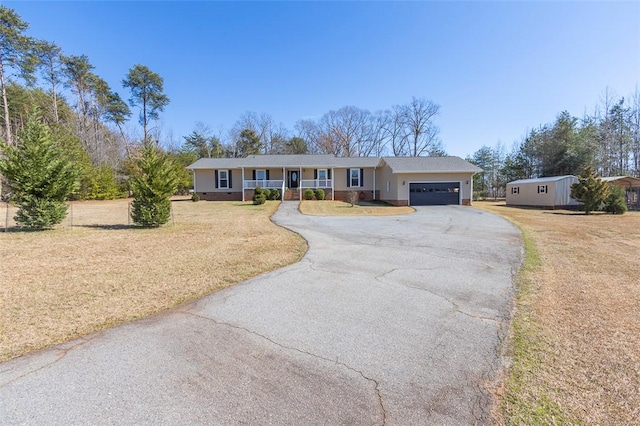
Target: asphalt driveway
{"points": [[386, 320]]}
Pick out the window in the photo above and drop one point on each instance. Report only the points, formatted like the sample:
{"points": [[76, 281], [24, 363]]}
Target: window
{"points": [[515, 189], [354, 177], [542, 189], [223, 179], [261, 174]]}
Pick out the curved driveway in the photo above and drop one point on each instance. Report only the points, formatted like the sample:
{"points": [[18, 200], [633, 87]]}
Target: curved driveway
{"points": [[386, 320]]}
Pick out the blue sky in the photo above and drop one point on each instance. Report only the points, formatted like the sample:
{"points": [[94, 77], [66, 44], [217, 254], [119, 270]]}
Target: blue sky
{"points": [[496, 69]]}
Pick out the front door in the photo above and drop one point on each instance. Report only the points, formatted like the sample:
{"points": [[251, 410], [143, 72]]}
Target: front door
{"points": [[293, 178]]}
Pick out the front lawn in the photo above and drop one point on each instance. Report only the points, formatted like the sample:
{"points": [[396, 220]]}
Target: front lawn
{"points": [[96, 271], [340, 208], [576, 338]]}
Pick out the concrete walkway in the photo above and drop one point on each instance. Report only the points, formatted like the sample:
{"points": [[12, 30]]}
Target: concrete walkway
{"points": [[386, 320]]}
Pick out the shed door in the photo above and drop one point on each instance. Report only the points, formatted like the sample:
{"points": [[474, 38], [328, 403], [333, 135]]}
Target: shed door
{"points": [[433, 194]]}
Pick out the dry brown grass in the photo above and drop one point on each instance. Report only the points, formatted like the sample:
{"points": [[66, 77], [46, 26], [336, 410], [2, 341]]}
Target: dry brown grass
{"points": [[340, 208], [69, 282], [582, 316]]}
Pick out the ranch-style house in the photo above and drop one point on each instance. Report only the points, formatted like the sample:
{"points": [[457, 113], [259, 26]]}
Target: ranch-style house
{"points": [[411, 181]]}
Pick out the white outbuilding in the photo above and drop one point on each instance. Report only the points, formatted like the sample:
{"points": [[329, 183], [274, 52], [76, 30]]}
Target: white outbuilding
{"points": [[552, 192]]}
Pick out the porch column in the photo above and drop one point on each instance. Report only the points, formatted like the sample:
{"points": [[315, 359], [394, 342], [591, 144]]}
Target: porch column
{"points": [[243, 184], [374, 183], [333, 180], [300, 183]]}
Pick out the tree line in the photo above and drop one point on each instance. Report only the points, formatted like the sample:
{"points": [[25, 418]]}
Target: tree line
{"points": [[86, 117], [403, 130], [607, 140], [53, 151]]}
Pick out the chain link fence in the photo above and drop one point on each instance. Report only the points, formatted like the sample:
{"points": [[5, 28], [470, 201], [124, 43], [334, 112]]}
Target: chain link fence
{"points": [[109, 214]]}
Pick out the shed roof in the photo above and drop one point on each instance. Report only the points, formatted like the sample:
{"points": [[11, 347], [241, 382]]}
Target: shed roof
{"points": [[542, 180], [627, 181], [430, 165]]}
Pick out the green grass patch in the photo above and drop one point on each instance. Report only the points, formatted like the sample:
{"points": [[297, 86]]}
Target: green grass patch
{"points": [[525, 402]]}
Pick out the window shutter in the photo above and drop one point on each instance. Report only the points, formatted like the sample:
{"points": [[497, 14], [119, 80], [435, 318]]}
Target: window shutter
{"points": [[216, 179], [348, 178], [254, 174], [267, 174], [329, 174], [315, 173], [361, 177], [229, 177]]}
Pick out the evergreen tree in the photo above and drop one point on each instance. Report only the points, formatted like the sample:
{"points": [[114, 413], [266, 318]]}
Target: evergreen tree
{"points": [[248, 143], [591, 191], [296, 145], [39, 175], [616, 202], [153, 181], [15, 54], [146, 92]]}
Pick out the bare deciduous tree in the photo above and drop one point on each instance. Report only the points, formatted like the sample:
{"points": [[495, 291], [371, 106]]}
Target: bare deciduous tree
{"points": [[420, 133]]}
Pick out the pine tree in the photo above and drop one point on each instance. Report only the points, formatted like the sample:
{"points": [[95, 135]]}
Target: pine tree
{"points": [[153, 181], [591, 191], [40, 177], [616, 202]]}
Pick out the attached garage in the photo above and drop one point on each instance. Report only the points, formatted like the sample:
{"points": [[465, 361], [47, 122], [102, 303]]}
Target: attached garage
{"points": [[425, 181], [434, 193]]}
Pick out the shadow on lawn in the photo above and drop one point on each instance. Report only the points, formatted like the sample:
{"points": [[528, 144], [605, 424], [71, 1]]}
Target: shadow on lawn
{"points": [[111, 227]]}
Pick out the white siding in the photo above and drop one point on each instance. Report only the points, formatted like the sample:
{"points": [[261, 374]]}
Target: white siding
{"points": [[527, 193]]}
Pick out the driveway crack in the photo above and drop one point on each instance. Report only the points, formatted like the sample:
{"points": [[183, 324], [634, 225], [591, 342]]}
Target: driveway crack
{"points": [[456, 307], [335, 361], [63, 353]]}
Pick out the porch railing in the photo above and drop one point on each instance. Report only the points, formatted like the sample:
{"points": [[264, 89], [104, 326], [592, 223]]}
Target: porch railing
{"points": [[263, 183], [316, 183]]}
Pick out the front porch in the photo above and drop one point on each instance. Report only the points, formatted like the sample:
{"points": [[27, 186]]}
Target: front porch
{"points": [[286, 192], [291, 182]]}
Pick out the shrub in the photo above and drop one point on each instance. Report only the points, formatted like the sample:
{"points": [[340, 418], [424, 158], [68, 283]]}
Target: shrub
{"points": [[267, 193], [308, 194], [258, 196], [320, 194], [38, 175], [153, 181], [102, 185], [274, 195], [195, 197], [591, 191], [615, 202]]}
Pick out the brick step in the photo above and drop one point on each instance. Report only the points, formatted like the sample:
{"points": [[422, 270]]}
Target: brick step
{"points": [[290, 195]]}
